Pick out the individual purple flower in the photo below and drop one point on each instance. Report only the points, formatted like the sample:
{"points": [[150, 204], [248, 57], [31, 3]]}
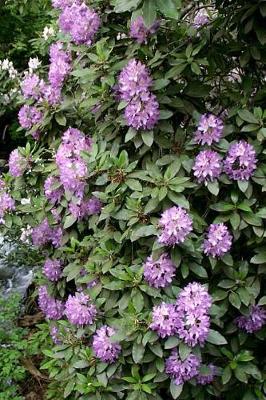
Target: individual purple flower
{"points": [[201, 19], [182, 370], [81, 22], [54, 332], [207, 378], [209, 130], [218, 241], [104, 349], [2, 184], [140, 32], [143, 114], [252, 322], [164, 319], [6, 203], [176, 225], [51, 307], [193, 321], [56, 236], [159, 273], [51, 94], [134, 81], [60, 65], [52, 269], [62, 4], [53, 190], [240, 162], [79, 310], [208, 166], [85, 207], [29, 116], [17, 163], [32, 87], [71, 165], [43, 234]]}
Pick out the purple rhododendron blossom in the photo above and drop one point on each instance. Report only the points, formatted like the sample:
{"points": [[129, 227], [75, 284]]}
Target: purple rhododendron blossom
{"points": [[52, 189], [254, 321], [81, 22], [60, 65], [52, 269], [54, 332], [134, 81], [206, 379], [17, 163], [143, 114], [182, 370], [209, 130], [140, 32], [32, 87], [201, 18], [62, 4], [43, 234], [208, 166], [176, 225], [79, 310], [85, 207], [103, 348], [218, 241], [51, 307], [240, 162], [6, 203], [164, 319], [159, 273], [29, 116]]}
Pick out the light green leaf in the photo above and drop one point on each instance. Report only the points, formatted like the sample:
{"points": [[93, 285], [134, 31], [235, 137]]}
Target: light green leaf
{"points": [[215, 337]]}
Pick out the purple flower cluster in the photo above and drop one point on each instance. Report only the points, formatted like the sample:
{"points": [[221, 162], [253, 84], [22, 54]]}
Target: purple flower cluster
{"points": [[29, 116], [159, 273], [17, 163], [52, 269], [43, 234], [140, 32], [54, 332], [200, 19], [72, 167], [81, 22], [62, 4], [52, 308], [209, 130], [52, 189], [164, 319], [103, 348], [142, 111], [240, 162], [254, 321], [79, 310], [182, 371], [193, 321], [218, 241], [2, 184], [208, 166], [176, 225], [85, 207], [60, 67], [32, 87], [6, 203], [205, 379]]}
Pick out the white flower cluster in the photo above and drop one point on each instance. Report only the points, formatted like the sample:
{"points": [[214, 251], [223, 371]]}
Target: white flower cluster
{"points": [[48, 32], [7, 65], [33, 64], [25, 234]]}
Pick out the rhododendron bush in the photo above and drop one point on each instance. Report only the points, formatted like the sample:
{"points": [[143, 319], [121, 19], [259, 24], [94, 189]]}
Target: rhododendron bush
{"points": [[144, 175]]}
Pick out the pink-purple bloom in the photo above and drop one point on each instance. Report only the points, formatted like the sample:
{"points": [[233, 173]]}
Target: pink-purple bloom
{"points": [[81, 22], [159, 273], [140, 32], [62, 4], [6, 203], [210, 129], [52, 269], [240, 162], [60, 66], [85, 207], [218, 240], [53, 190], [17, 163], [254, 321], [201, 18], [143, 114], [32, 87], [208, 166], [164, 319], [182, 370], [208, 377], [134, 81], [176, 225], [54, 332], [51, 307], [79, 310], [104, 349], [71, 165], [43, 234], [29, 116], [193, 321]]}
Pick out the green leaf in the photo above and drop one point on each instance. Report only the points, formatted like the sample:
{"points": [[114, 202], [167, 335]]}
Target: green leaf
{"points": [[69, 221], [165, 114], [215, 337], [171, 342], [160, 84], [69, 388], [184, 350], [60, 119], [198, 270], [137, 352], [168, 8], [235, 300], [133, 184], [260, 258], [243, 185], [131, 133], [126, 5], [81, 364], [147, 138], [137, 300], [175, 390], [262, 301], [143, 231], [226, 376], [213, 187], [248, 116], [149, 12]]}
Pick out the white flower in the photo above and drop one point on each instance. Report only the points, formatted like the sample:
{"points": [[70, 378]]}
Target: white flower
{"points": [[33, 63], [25, 201], [25, 233], [48, 32], [6, 65]]}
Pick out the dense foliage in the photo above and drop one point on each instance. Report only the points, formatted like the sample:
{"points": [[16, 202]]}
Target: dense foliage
{"points": [[143, 184]]}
